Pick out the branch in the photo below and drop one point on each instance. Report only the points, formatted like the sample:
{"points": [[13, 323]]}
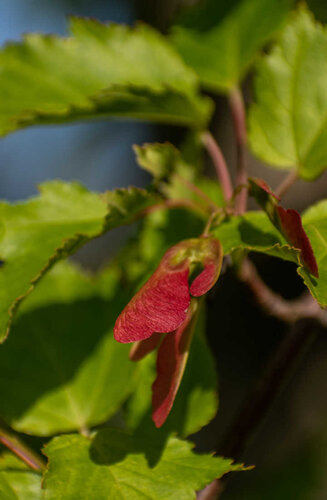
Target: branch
{"points": [[175, 203], [289, 311], [286, 184], [22, 451], [281, 367], [220, 165], [196, 190], [237, 106]]}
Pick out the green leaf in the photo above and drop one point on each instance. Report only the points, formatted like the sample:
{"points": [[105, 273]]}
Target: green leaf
{"points": [[288, 119], [196, 402], [36, 234], [173, 174], [315, 224], [17, 481], [254, 232], [62, 363], [101, 70], [118, 465], [220, 39], [158, 159], [287, 221]]}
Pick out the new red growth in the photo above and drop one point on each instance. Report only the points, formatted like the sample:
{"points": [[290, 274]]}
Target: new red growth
{"points": [[163, 305]]}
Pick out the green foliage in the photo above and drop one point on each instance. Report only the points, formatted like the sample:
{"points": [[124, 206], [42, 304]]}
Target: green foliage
{"points": [[172, 173], [220, 39], [36, 234], [62, 371], [98, 72], [17, 481], [288, 119], [315, 224], [119, 465], [254, 232], [160, 160], [78, 376]]}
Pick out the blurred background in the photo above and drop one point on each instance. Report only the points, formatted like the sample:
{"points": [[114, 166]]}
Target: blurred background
{"points": [[290, 448]]}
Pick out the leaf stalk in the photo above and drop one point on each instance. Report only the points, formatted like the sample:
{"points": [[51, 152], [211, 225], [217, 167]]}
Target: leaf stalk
{"points": [[22, 451], [220, 164], [286, 184]]}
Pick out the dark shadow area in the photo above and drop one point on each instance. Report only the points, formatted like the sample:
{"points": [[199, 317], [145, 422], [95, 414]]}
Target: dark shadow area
{"points": [[207, 14], [113, 446], [250, 235], [243, 339]]}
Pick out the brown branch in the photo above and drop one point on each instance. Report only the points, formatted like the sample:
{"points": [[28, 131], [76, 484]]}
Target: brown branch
{"points": [[289, 311], [22, 451], [220, 165], [237, 106], [175, 203]]}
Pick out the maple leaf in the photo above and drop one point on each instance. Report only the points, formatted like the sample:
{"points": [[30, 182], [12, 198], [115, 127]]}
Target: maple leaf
{"points": [[164, 306]]}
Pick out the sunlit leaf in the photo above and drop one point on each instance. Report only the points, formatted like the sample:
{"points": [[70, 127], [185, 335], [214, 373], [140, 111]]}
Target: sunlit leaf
{"points": [[37, 233], [288, 119], [118, 465], [315, 224], [254, 232], [175, 174], [78, 375], [101, 70], [220, 39], [17, 481]]}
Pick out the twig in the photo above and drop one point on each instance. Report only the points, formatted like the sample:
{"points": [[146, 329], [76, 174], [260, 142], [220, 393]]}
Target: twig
{"points": [[175, 203], [196, 190], [237, 106], [286, 184], [289, 311], [281, 367], [209, 222], [22, 451], [220, 165]]}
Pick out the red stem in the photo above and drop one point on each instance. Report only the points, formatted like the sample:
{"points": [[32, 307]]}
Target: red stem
{"points": [[28, 456], [237, 106], [196, 190], [220, 165], [175, 203]]}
